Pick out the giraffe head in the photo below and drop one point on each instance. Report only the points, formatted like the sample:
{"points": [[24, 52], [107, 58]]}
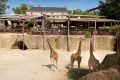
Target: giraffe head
{"points": [[48, 39], [82, 38]]}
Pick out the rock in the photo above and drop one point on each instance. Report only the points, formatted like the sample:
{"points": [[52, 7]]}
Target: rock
{"points": [[109, 74], [116, 67], [108, 61]]}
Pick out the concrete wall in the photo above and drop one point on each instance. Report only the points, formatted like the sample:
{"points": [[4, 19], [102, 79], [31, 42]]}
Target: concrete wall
{"points": [[57, 41]]}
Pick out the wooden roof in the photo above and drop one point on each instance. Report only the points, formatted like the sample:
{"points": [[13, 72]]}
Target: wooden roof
{"points": [[52, 19], [47, 9], [92, 19], [19, 17]]}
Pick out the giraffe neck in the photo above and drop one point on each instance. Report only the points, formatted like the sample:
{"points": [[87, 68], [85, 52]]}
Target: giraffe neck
{"points": [[91, 54], [51, 49], [79, 48], [91, 48]]}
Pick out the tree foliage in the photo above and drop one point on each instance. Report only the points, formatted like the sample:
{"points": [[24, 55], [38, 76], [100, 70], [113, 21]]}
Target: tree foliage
{"points": [[83, 12], [21, 9], [111, 11], [3, 6]]}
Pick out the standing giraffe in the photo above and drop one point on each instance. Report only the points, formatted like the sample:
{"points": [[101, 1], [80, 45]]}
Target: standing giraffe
{"points": [[77, 56], [93, 63], [53, 53]]}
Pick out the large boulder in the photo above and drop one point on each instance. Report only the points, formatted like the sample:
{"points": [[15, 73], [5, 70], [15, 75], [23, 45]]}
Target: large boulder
{"points": [[109, 60], [108, 74]]}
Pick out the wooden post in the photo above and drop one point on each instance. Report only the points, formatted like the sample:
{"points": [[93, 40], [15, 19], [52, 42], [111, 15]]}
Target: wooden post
{"points": [[110, 24], [104, 24], [95, 26], [23, 34], [118, 47], [68, 34], [118, 26], [4, 26], [43, 30], [88, 25], [34, 24]]}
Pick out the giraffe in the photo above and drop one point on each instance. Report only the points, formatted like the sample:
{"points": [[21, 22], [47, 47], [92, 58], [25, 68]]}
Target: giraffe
{"points": [[93, 63], [53, 53], [77, 56]]}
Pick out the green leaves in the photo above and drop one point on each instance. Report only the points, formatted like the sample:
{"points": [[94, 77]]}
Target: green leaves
{"points": [[3, 6], [21, 9], [112, 11], [83, 12]]}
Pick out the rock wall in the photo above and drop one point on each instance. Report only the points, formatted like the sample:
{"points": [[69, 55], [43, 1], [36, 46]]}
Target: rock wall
{"points": [[57, 41]]}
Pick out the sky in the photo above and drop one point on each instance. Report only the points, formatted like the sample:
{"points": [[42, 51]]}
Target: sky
{"points": [[69, 4]]}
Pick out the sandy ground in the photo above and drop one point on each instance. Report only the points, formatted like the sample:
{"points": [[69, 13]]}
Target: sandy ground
{"points": [[35, 64]]}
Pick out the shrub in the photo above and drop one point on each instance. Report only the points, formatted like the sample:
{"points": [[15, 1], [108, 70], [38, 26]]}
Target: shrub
{"points": [[87, 34]]}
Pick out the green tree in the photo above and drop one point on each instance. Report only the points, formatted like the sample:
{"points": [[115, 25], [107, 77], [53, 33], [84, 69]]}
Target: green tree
{"points": [[112, 11], [21, 9], [83, 12], [3, 6], [69, 11]]}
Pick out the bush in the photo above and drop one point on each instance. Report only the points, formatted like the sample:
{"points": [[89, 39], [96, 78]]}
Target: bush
{"points": [[87, 34], [30, 24]]}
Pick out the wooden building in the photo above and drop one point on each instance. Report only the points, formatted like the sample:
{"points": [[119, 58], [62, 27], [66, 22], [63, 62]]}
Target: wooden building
{"points": [[47, 11], [56, 25]]}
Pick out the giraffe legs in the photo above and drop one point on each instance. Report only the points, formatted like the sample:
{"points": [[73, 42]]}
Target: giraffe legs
{"points": [[56, 63], [51, 64], [79, 61], [89, 69], [72, 62]]}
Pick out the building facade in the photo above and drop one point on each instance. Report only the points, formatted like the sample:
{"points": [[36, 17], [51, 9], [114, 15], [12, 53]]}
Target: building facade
{"points": [[50, 11]]}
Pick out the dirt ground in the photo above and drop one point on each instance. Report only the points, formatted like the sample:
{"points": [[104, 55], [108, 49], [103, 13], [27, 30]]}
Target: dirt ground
{"points": [[35, 64]]}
